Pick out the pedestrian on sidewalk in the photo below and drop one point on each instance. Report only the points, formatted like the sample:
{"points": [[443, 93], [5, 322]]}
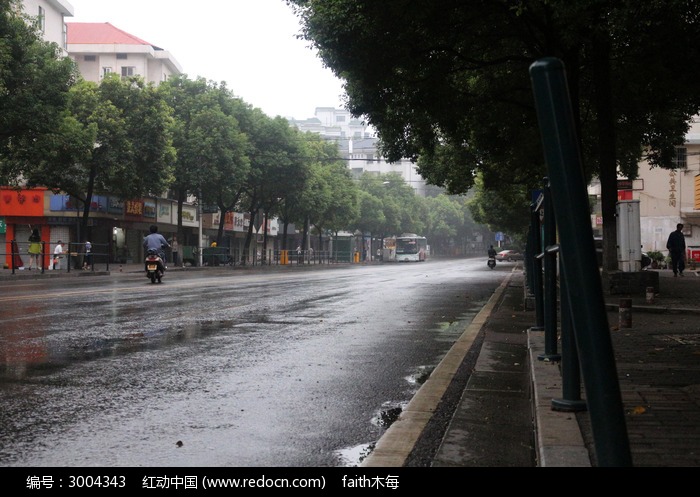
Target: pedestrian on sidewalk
{"points": [[676, 249], [87, 260], [58, 255], [175, 248], [34, 248]]}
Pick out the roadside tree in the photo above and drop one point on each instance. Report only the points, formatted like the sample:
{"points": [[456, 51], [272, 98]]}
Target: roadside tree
{"points": [[115, 137], [452, 78], [212, 151], [275, 153], [35, 80]]}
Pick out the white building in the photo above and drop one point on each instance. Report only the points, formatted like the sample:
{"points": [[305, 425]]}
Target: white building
{"points": [[358, 145], [50, 16], [101, 48], [666, 196]]}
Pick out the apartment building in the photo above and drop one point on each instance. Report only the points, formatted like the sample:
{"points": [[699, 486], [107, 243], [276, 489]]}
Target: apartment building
{"points": [[101, 48], [357, 144], [51, 17]]}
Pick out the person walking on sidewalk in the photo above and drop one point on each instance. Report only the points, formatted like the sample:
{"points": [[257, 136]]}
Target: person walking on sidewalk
{"points": [[676, 249]]}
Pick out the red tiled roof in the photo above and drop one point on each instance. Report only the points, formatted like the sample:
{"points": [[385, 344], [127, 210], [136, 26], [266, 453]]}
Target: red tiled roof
{"points": [[100, 33]]}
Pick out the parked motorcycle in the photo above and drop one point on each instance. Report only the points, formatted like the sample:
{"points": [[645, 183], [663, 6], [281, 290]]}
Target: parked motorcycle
{"points": [[155, 268], [492, 262]]}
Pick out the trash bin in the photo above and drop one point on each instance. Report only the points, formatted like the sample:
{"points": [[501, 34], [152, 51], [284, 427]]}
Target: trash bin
{"points": [[215, 256], [692, 257]]}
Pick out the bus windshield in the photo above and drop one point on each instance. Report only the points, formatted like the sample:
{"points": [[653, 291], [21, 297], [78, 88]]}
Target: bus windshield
{"points": [[406, 246]]}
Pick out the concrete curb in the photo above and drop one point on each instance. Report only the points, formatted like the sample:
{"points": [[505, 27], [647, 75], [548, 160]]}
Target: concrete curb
{"points": [[559, 439]]}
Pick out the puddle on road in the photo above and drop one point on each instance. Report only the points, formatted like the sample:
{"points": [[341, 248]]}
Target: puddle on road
{"points": [[354, 456], [390, 412], [421, 376], [24, 353]]}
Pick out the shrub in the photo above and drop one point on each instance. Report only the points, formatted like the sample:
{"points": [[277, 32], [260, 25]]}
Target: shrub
{"points": [[655, 255]]}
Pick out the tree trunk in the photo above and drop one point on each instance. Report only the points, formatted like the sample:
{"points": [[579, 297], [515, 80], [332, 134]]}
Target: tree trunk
{"points": [[266, 215], [248, 237], [305, 239], [284, 235], [606, 150]]}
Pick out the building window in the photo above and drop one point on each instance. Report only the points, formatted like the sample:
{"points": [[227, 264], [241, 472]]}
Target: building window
{"points": [[340, 119], [128, 71], [41, 20], [681, 160], [90, 58], [121, 56], [106, 71], [369, 158], [65, 36]]}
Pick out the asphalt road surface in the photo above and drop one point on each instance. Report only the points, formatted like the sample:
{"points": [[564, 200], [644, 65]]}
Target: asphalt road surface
{"points": [[281, 368]]}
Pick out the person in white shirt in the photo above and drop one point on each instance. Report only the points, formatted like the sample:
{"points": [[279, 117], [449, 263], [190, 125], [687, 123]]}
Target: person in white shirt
{"points": [[58, 255], [87, 260]]}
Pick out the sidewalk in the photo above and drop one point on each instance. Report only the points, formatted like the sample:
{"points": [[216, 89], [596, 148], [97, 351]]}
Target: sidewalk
{"points": [[509, 389]]}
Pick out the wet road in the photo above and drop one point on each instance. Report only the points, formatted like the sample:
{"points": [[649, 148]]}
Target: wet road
{"points": [[298, 368]]}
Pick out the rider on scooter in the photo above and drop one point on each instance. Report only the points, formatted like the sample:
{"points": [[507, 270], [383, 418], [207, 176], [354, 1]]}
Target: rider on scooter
{"points": [[492, 252], [156, 241]]}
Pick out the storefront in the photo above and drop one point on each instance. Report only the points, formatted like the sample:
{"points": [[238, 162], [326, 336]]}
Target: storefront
{"points": [[116, 227]]}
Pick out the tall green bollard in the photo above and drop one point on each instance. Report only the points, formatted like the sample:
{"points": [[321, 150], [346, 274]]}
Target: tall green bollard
{"points": [[579, 265]]}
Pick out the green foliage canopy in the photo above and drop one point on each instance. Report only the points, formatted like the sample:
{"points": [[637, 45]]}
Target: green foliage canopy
{"points": [[447, 81]]}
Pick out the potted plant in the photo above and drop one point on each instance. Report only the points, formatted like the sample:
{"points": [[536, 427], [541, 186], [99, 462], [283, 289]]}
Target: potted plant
{"points": [[657, 259]]}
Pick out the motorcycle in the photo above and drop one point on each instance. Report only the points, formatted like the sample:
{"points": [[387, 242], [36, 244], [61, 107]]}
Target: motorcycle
{"points": [[491, 262], [155, 268]]}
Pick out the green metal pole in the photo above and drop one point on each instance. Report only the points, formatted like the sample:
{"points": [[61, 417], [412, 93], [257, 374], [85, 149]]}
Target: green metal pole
{"points": [[570, 367], [537, 270], [550, 279], [587, 305]]}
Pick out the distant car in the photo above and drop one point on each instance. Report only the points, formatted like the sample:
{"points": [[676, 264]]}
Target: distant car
{"points": [[509, 255]]}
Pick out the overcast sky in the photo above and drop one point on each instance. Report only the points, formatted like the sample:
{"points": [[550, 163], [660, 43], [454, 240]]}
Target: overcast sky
{"points": [[250, 44]]}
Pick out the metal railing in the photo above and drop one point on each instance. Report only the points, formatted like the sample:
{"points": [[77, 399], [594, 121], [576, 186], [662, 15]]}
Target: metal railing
{"points": [[224, 256], [74, 257], [98, 257]]}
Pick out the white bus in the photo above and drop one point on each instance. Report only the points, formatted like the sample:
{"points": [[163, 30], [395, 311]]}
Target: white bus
{"points": [[410, 247]]}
